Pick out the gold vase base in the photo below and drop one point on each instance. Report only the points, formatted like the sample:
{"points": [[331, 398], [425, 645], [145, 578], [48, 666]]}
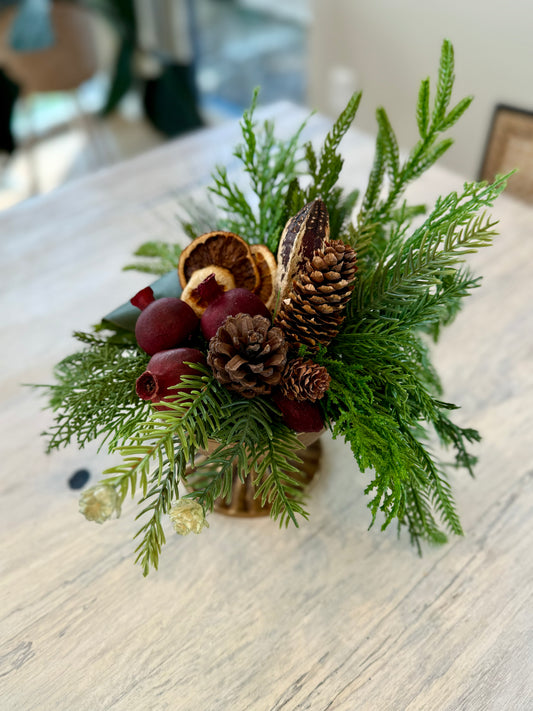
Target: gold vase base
{"points": [[243, 502]]}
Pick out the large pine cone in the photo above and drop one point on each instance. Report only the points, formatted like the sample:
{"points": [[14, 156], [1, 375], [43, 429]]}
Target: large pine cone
{"points": [[248, 355], [314, 310]]}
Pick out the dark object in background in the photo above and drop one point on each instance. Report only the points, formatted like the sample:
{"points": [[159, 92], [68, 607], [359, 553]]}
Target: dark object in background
{"points": [[170, 100], [9, 92], [510, 146], [79, 478], [121, 16]]}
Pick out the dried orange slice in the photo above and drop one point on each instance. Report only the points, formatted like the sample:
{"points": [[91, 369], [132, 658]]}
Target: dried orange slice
{"points": [[266, 264], [192, 296], [220, 249]]}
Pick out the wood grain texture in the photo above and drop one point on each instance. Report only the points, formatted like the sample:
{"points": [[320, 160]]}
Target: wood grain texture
{"points": [[246, 616]]}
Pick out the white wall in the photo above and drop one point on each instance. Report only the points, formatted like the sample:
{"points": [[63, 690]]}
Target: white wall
{"points": [[385, 47]]}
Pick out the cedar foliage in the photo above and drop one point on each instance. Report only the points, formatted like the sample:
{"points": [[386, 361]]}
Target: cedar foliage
{"points": [[94, 394], [157, 257], [270, 164], [385, 398]]}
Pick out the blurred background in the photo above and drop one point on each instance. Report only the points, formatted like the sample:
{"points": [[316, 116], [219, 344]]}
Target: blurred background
{"points": [[84, 84]]}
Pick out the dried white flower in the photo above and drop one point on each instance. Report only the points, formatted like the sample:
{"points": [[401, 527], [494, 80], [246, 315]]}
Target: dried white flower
{"points": [[99, 503], [187, 516]]}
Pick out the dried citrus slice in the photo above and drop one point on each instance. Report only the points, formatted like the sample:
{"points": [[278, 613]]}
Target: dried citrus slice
{"points": [[220, 249], [266, 264], [192, 296]]}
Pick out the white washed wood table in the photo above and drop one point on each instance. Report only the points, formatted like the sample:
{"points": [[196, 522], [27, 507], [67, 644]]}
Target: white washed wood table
{"points": [[245, 616]]}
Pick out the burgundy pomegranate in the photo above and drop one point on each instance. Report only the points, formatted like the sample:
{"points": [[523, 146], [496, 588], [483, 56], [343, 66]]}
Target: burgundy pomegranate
{"points": [[164, 370], [299, 416], [164, 323], [231, 303]]}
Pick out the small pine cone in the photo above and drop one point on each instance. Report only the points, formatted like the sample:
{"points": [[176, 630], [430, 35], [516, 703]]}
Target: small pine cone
{"points": [[304, 380], [248, 355], [313, 313]]}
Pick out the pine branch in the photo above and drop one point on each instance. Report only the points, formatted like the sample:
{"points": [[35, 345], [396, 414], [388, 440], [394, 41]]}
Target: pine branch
{"points": [[165, 444], [407, 484], [185, 425], [455, 210], [419, 282], [161, 495], [438, 488], [426, 151], [375, 180], [275, 486], [254, 442], [325, 169], [240, 435], [380, 396], [156, 462]]}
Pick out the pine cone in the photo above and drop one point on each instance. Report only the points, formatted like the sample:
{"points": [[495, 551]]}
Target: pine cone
{"points": [[304, 380], [314, 310], [248, 355]]}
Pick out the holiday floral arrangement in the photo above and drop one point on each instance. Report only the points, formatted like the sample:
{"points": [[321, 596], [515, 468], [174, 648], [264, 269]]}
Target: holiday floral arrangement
{"points": [[297, 307]]}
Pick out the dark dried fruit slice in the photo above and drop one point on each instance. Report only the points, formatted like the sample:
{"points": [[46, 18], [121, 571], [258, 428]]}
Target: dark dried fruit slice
{"points": [[220, 249], [302, 235], [266, 264]]}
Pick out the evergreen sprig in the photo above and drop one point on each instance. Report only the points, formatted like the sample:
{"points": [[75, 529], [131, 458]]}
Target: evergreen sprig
{"points": [[188, 420], [382, 399], [380, 396], [431, 124], [169, 441], [94, 394], [159, 258], [270, 164], [323, 173], [418, 279], [274, 167], [252, 439], [385, 397]]}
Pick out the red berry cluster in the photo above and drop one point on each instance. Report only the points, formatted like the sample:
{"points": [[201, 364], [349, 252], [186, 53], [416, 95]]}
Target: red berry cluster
{"points": [[165, 327]]}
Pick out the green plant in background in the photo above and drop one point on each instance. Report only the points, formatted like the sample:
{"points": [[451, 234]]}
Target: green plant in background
{"points": [[385, 398]]}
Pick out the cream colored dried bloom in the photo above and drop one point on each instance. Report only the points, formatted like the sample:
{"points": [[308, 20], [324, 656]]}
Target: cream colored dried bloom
{"points": [[187, 516], [99, 503]]}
